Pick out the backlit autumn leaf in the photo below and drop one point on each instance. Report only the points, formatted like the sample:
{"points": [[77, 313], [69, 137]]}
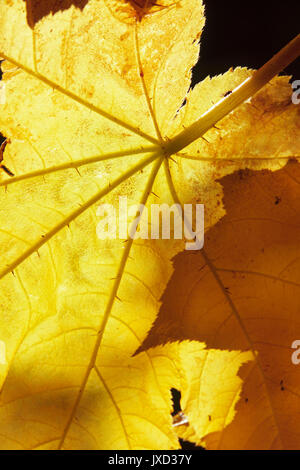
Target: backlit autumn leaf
{"points": [[241, 293], [94, 94]]}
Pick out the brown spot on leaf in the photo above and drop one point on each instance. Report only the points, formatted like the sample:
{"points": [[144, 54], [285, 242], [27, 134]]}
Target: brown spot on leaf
{"points": [[277, 200], [129, 11]]}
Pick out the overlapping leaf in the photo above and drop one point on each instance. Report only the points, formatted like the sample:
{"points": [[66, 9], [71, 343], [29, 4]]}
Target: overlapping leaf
{"points": [[242, 293]]}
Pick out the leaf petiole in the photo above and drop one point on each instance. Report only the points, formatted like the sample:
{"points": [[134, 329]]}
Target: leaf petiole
{"points": [[239, 95]]}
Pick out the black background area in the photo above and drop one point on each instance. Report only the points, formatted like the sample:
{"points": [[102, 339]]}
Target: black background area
{"points": [[246, 33]]}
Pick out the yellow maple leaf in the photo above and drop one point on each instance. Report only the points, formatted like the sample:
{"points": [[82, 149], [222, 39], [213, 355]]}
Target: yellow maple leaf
{"points": [[97, 90]]}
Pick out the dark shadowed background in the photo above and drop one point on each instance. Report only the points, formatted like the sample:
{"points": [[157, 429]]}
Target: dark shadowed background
{"points": [[246, 33]]}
